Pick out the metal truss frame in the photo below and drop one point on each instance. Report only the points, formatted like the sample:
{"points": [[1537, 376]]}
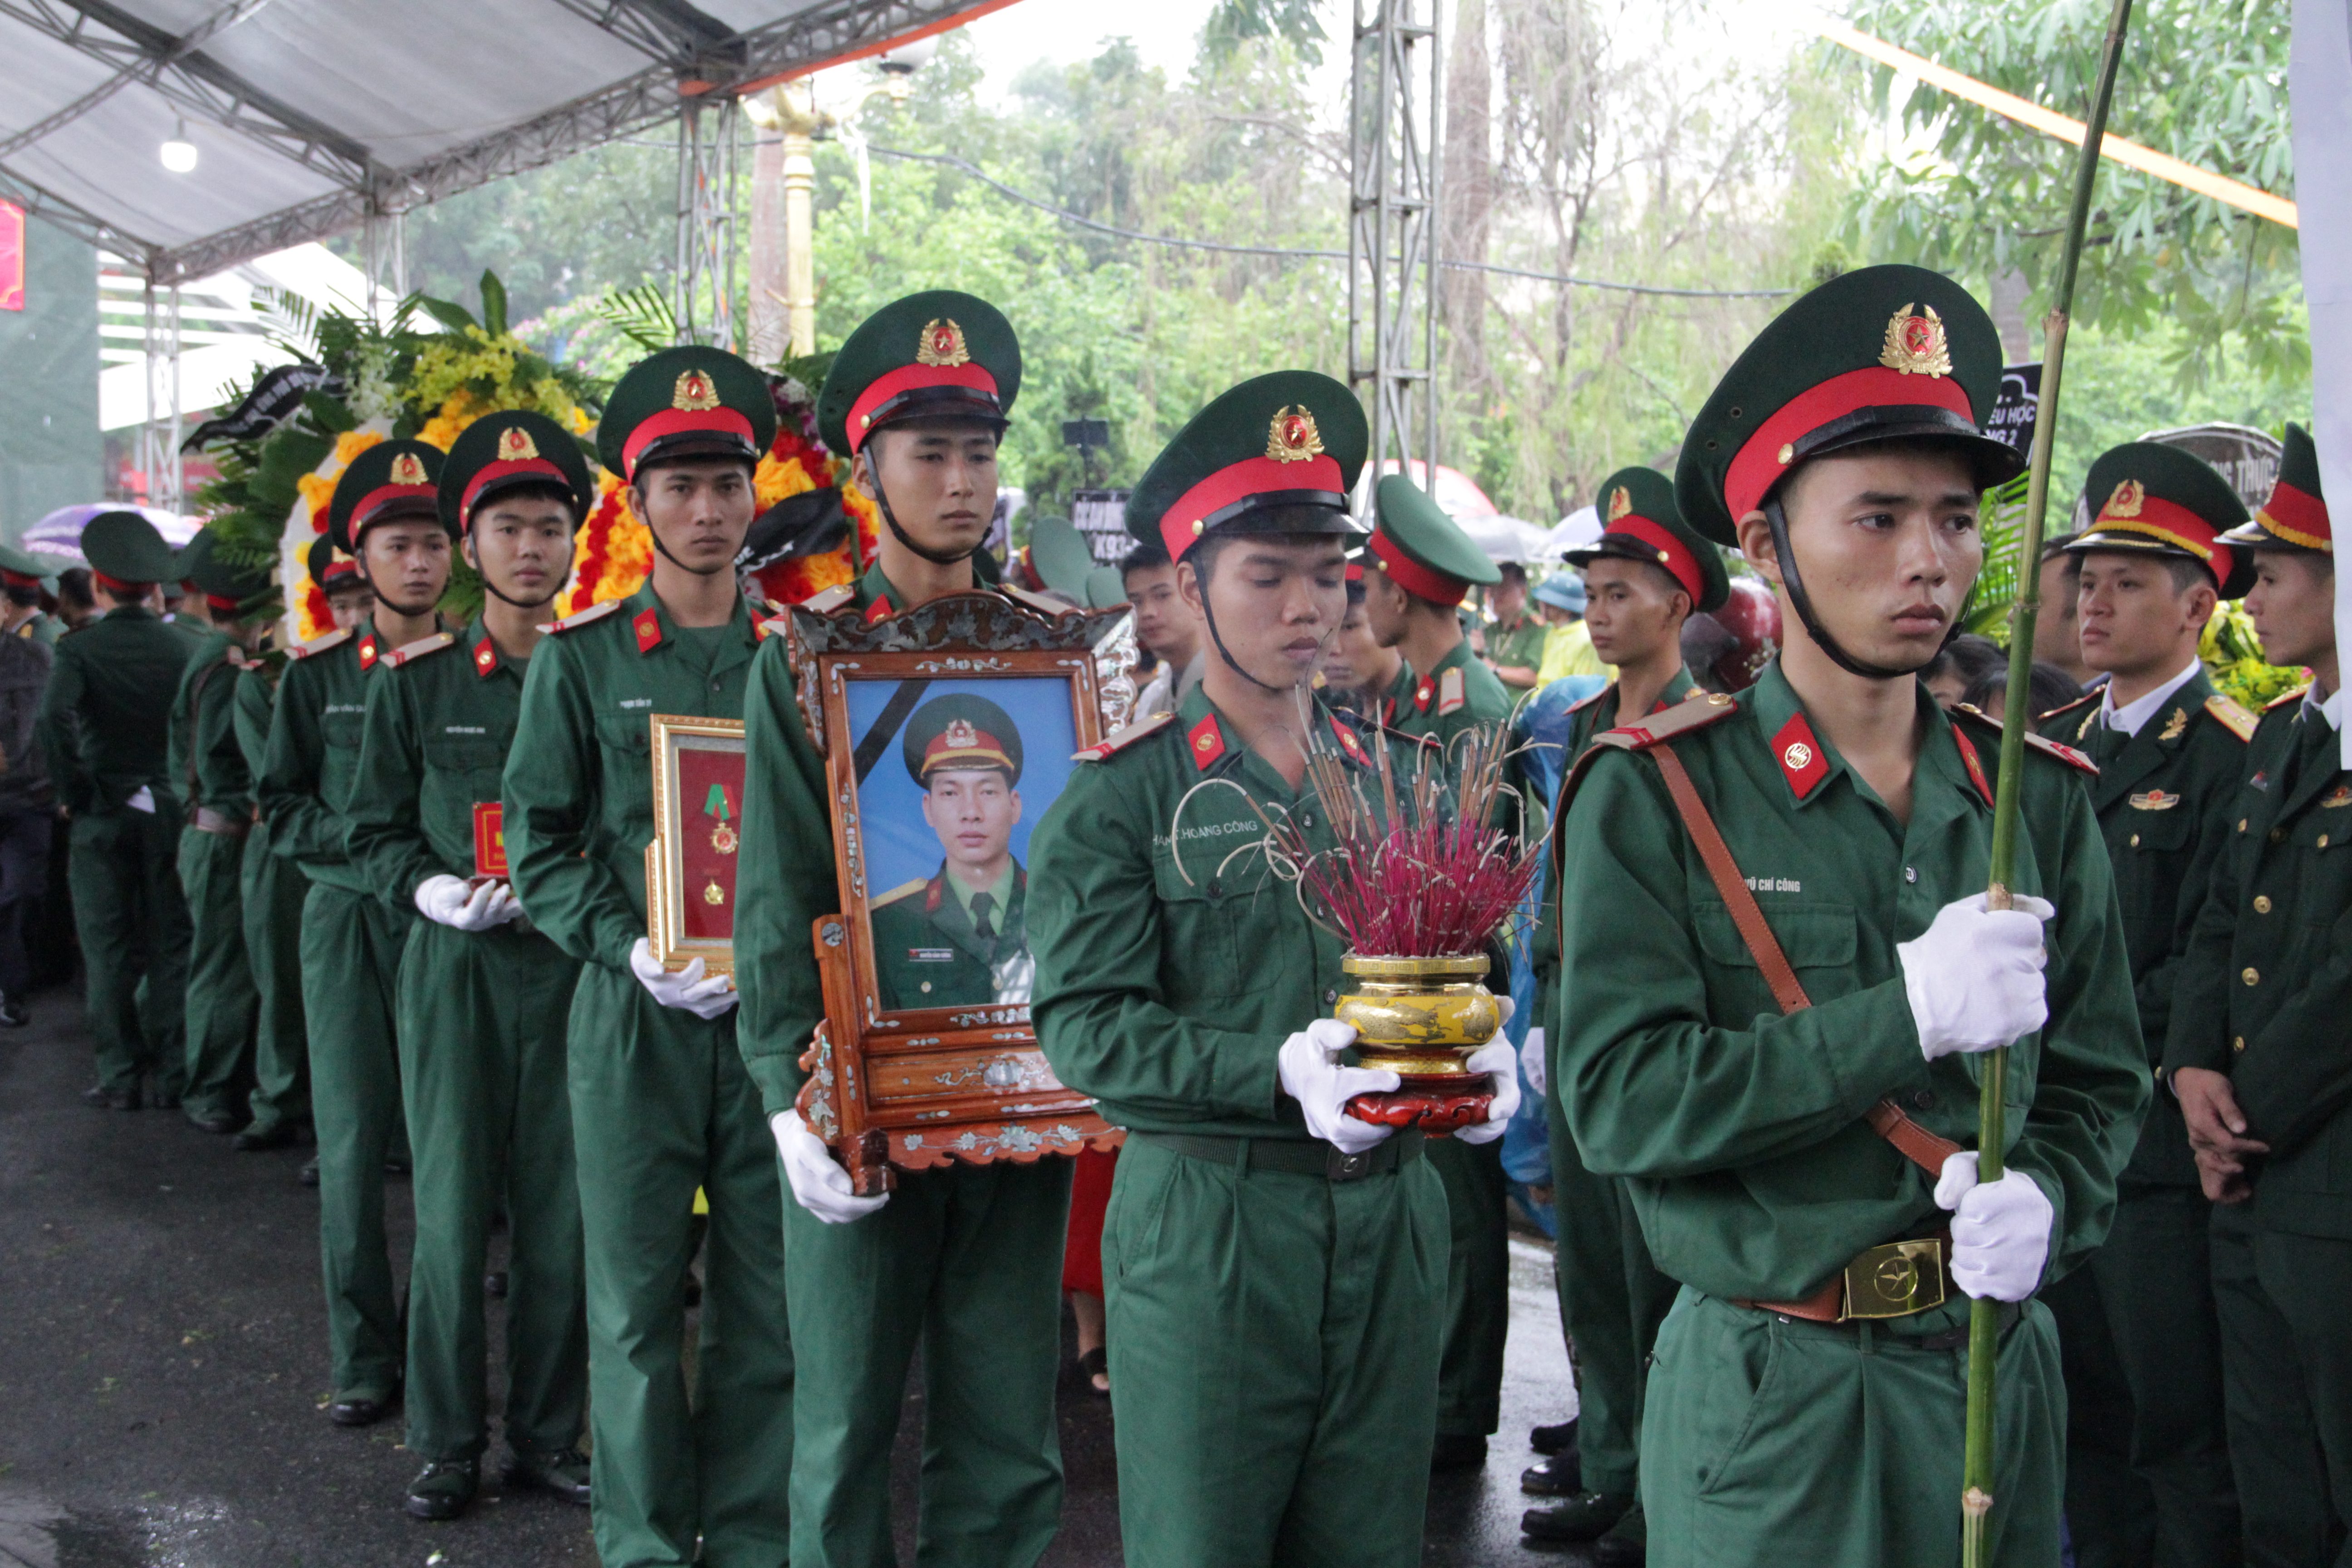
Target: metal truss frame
{"points": [[1393, 159], [708, 136]]}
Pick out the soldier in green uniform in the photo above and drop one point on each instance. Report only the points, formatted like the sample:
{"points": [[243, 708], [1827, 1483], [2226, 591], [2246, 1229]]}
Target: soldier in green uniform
{"points": [[1418, 568], [1643, 576], [24, 578], [1771, 1037], [483, 998], [965, 1261], [660, 1103], [1516, 637], [28, 809], [2147, 1462], [382, 515], [275, 887], [215, 791], [106, 726], [2255, 1054], [1277, 1269], [956, 937]]}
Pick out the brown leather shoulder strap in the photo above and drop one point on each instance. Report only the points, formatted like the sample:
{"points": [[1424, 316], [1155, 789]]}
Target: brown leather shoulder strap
{"points": [[1913, 1142]]}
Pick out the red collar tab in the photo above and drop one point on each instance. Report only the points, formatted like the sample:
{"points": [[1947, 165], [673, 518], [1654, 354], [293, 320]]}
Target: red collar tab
{"points": [[647, 625], [1766, 455], [1799, 756], [2298, 516], [1207, 743], [1183, 524], [1671, 552], [1423, 689], [486, 655], [367, 650], [1974, 764], [1413, 578], [1350, 746], [879, 610]]}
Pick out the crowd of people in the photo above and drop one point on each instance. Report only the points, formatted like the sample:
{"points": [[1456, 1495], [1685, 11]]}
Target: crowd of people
{"points": [[387, 889]]}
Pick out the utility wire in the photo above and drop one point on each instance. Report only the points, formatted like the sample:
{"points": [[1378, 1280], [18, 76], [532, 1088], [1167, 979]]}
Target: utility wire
{"points": [[1003, 189]]}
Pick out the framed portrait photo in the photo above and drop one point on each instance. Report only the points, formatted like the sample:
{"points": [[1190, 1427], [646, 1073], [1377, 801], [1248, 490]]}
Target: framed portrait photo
{"points": [[943, 754], [697, 829]]}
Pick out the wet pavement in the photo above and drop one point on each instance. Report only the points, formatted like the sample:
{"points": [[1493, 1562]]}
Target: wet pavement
{"points": [[162, 1368]]}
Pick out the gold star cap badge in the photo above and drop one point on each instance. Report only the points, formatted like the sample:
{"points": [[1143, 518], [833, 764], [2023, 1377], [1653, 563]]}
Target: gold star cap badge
{"points": [[515, 444], [694, 393], [1621, 503], [1291, 437], [2129, 496], [1914, 344], [960, 735], [408, 471], [943, 344]]}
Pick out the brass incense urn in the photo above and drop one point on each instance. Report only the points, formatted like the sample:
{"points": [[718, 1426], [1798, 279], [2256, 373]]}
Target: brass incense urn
{"points": [[1421, 1018]]}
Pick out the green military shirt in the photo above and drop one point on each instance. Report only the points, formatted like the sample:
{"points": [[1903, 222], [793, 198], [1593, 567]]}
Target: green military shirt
{"points": [[2160, 798], [313, 753], [252, 712], [1460, 692], [2267, 984], [1169, 968], [579, 778], [1517, 644], [1741, 1129], [209, 764], [433, 756], [106, 718], [928, 951]]}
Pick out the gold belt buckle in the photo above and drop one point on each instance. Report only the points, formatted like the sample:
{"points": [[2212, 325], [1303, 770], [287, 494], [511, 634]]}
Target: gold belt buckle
{"points": [[1895, 1279]]}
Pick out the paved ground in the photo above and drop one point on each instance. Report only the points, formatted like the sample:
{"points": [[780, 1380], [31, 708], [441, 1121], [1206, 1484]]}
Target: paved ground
{"points": [[162, 1368]]}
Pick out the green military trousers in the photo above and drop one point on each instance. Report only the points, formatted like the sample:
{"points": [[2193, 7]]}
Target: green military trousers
{"points": [[274, 888], [133, 924], [1275, 1341], [968, 1261], [2275, 1446], [1611, 1300], [2148, 1452], [1770, 1439], [2310, 1278], [221, 1001], [1477, 1285], [482, 1074], [350, 965], [661, 1104]]}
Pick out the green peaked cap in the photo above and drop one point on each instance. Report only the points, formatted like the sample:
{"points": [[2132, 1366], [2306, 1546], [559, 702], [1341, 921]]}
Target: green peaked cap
{"points": [[960, 731], [25, 563], [329, 568], [1264, 457], [390, 480], [691, 401], [1643, 524], [2146, 497], [1062, 556], [2296, 516], [937, 355], [126, 547], [500, 451], [1422, 549], [1874, 354], [246, 587]]}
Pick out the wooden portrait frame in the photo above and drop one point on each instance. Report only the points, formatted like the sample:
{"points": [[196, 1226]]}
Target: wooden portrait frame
{"points": [[666, 856], [918, 1087]]}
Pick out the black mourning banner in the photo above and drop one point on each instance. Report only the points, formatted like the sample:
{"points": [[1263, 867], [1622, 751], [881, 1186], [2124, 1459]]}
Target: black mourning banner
{"points": [[2015, 411], [273, 397]]}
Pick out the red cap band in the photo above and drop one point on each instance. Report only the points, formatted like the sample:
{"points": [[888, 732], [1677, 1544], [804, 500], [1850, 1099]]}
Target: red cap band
{"points": [[2298, 516], [18, 579], [1672, 552], [2174, 524], [1413, 578], [117, 587], [912, 378], [223, 604], [1759, 463], [1183, 524], [383, 496], [719, 421], [491, 473]]}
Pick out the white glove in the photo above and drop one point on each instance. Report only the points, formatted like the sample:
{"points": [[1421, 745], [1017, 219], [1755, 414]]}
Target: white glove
{"points": [[447, 900], [686, 989], [819, 1183], [1311, 1075], [1535, 1064], [1974, 977], [1501, 1063], [2000, 1230]]}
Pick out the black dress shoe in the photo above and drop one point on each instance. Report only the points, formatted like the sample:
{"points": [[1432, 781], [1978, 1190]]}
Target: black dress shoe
{"points": [[1457, 1451], [276, 1135], [443, 1489], [1587, 1516], [1627, 1544], [215, 1121], [105, 1099], [1557, 1439], [309, 1178], [495, 1285], [563, 1475], [361, 1410], [1562, 1475]]}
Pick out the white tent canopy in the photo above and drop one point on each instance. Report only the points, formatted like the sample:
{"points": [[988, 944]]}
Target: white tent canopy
{"points": [[311, 117]]}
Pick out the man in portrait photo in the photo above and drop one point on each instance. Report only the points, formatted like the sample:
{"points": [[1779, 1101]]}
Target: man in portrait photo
{"points": [[956, 938]]}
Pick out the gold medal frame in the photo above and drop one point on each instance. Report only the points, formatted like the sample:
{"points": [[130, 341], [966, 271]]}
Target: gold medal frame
{"points": [[666, 856]]}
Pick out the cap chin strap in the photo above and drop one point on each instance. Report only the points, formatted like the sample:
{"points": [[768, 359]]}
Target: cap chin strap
{"points": [[655, 534], [492, 590], [1794, 582], [1210, 615], [890, 521]]}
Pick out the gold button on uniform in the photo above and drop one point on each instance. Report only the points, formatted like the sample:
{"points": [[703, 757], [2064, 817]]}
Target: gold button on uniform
{"points": [[2135, 844], [2321, 843], [2262, 903], [2241, 825], [2249, 975], [2239, 1044]]}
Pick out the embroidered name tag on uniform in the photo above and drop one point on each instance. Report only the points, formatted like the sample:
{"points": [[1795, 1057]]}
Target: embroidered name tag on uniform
{"points": [[2154, 800], [930, 955]]}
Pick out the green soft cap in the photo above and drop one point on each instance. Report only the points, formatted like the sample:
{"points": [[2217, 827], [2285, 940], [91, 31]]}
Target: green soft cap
{"points": [[937, 355], [126, 547]]}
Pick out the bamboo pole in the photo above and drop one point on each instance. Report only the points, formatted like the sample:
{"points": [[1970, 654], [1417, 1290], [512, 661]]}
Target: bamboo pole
{"points": [[1984, 1315]]}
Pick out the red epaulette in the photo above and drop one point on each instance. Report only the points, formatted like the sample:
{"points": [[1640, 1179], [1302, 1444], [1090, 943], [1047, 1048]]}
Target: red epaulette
{"points": [[579, 618], [319, 645], [1120, 739], [2033, 742], [409, 653]]}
